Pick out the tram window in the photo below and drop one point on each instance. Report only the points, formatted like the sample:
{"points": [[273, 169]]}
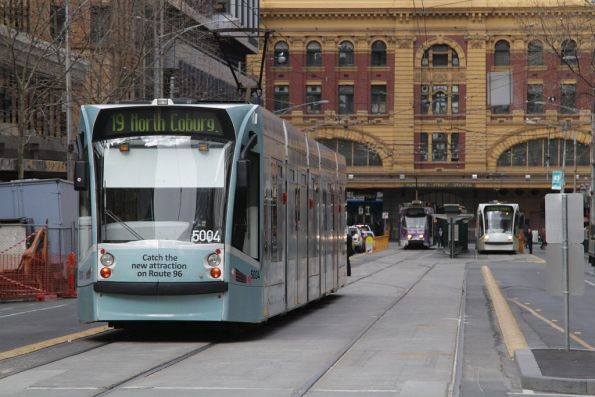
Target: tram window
{"points": [[245, 214], [297, 209], [277, 221], [324, 212]]}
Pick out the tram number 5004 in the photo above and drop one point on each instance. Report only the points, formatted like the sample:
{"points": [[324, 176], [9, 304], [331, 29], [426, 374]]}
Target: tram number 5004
{"points": [[205, 236]]}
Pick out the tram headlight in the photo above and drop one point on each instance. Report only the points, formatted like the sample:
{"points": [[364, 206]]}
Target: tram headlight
{"points": [[486, 237], [409, 237], [509, 238], [107, 259], [214, 260]]}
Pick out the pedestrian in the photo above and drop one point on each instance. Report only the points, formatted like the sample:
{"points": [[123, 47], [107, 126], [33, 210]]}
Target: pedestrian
{"points": [[530, 240], [440, 242], [349, 252], [521, 237], [543, 240]]}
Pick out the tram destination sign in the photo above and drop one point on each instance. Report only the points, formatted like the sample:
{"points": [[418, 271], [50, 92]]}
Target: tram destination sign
{"points": [[131, 121]]}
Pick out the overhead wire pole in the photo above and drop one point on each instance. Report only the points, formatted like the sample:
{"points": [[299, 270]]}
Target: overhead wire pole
{"points": [[592, 206], [68, 87]]}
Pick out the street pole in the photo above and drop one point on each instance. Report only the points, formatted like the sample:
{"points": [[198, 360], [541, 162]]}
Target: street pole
{"points": [[157, 49], [565, 270], [565, 129], [592, 206], [574, 177], [68, 87]]}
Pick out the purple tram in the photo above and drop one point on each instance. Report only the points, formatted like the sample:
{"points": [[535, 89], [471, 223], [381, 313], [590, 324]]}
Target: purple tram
{"points": [[415, 225]]}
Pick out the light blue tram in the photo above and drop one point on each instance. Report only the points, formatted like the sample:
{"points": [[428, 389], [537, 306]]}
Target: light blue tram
{"points": [[204, 212]]}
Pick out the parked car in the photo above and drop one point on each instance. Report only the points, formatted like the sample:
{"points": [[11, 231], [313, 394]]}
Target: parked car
{"points": [[356, 238], [365, 231]]}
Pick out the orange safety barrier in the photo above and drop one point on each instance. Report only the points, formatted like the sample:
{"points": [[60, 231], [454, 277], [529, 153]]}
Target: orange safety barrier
{"points": [[380, 243], [71, 291], [34, 274]]}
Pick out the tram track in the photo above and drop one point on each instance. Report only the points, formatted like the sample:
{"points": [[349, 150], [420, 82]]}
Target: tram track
{"points": [[307, 386], [160, 367]]}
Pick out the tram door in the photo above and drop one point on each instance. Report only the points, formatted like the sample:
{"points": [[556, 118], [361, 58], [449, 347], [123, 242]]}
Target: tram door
{"points": [[329, 246], [323, 237], [293, 193], [301, 203], [273, 238], [313, 238], [334, 274]]}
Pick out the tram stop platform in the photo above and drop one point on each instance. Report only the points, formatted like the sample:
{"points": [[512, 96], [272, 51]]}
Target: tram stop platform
{"points": [[557, 370]]}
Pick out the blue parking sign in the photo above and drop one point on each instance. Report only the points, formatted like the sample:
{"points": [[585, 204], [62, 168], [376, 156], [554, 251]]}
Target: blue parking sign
{"points": [[557, 180]]}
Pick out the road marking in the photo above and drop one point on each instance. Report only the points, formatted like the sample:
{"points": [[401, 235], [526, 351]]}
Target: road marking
{"points": [[511, 333], [31, 311], [590, 283], [52, 342], [554, 325]]}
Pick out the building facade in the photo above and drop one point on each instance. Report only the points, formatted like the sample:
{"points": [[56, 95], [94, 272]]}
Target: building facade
{"points": [[113, 50], [436, 101]]}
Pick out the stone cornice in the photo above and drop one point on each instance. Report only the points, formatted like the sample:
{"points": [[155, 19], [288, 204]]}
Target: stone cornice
{"points": [[408, 14]]}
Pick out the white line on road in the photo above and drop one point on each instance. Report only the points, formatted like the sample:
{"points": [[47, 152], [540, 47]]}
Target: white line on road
{"points": [[590, 283], [31, 311]]}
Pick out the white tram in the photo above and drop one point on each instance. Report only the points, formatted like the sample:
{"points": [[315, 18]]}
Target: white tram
{"points": [[497, 227]]}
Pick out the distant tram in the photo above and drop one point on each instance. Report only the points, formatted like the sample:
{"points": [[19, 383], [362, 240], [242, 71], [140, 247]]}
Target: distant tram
{"points": [[497, 227], [204, 212], [415, 224]]}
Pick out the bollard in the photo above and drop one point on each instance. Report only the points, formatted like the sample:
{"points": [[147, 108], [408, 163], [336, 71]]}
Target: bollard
{"points": [[521, 242], [71, 272]]}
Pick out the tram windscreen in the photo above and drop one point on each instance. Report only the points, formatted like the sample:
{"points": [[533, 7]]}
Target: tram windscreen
{"points": [[162, 187], [416, 222], [499, 218]]}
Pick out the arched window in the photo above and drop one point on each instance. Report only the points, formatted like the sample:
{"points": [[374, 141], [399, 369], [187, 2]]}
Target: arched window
{"points": [[568, 52], [378, 54], [281, 54], [535, 53], [313, 54], [502, 53], [346, 57], [356, 154], [543, 153], [440, 56]]}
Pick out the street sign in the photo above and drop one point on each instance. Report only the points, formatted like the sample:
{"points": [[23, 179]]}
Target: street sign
{"points": [[385, 215], [554, 216], [554, 273], [557, 180]]}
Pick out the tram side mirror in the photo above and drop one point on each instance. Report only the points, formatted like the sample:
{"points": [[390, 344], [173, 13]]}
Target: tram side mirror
{"points": [[243, 167], [80, 175]]}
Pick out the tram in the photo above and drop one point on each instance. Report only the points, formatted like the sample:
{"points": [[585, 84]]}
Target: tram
{"points": [[415, 224], [497, 227], [204, 212]]}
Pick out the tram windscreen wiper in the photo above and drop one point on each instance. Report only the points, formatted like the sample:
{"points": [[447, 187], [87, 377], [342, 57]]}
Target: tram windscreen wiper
{"points": [[121, 222]]}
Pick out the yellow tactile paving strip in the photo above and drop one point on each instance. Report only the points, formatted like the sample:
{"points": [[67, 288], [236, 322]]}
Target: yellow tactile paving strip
{"points": [[52, 342], [513, 337]]}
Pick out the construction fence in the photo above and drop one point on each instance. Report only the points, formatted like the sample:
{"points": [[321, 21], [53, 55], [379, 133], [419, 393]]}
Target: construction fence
{"points": [[36, 262]]}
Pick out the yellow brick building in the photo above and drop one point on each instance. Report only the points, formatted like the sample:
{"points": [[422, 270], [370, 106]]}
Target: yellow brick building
{"points": [[447, 102]]}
